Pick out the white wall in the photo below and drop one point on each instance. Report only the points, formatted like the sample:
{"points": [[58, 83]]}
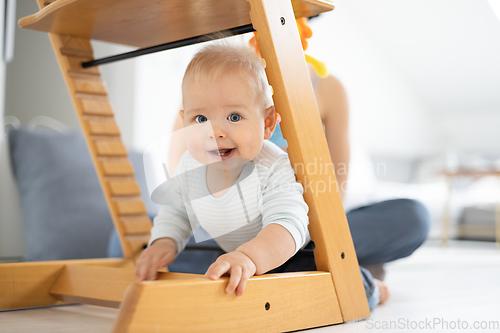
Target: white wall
{"points": [[121, 83], [387, 117], [158, 99], [445, 53], [34, 81], [35, 85], [472, 132], [11, 233]]}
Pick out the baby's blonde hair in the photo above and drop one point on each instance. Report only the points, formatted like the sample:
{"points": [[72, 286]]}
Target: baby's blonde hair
{"points": [[225, 58]]}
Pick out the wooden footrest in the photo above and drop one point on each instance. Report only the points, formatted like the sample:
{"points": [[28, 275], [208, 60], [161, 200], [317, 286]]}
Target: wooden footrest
{"points": [[104, 286], [27, 284], [297, 301]]}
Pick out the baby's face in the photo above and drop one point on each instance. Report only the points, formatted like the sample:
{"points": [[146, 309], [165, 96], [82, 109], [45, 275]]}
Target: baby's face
{"points": [[224, 120]]}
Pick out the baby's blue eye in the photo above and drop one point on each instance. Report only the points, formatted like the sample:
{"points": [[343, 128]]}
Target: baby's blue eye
{"points": [[234, 117], [200, 119]]}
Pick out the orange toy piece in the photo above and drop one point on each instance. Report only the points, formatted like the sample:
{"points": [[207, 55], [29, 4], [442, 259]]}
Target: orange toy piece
{"points": [[253, 43], [305, 33]]}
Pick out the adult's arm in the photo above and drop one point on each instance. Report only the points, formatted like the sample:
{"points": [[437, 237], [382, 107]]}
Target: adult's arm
{"points": [[334, 112]]}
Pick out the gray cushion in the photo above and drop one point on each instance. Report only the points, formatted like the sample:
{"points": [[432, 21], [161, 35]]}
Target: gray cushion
{"points": [[64, 212]]}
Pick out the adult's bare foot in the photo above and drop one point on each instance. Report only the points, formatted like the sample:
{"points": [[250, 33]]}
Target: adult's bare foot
{"points": [[384, 291]]}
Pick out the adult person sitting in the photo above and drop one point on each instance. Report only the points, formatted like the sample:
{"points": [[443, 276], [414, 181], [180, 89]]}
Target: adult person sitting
{"points": [[383, 231]]}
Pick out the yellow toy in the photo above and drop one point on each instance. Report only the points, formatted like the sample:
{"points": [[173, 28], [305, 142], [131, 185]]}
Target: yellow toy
{"points": [[305, 33]]}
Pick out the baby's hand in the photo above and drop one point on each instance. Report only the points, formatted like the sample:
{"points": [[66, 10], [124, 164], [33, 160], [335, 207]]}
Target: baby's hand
{"points": [[238, 265], [160, 254]]}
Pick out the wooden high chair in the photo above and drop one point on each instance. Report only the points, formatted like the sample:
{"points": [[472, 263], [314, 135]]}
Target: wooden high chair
{"points": [[178, 302]]}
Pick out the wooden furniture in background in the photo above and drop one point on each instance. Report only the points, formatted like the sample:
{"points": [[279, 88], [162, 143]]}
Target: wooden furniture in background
{"points": [[464, 230]]}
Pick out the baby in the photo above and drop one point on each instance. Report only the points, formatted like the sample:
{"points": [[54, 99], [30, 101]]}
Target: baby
{"points": [[239, 188]]}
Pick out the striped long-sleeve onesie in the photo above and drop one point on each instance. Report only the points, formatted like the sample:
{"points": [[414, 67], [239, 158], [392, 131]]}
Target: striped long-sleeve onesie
{"points": [[266, 192]]}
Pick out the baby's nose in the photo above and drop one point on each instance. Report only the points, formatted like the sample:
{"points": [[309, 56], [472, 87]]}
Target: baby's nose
{"points": [[217, 132]]}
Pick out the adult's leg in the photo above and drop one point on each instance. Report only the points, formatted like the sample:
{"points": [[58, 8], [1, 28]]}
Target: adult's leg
{"points": [[388, 230]]}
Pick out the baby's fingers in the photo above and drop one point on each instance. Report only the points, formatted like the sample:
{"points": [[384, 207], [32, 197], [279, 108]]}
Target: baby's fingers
{"points": [[155, 264], [151, 273], [166, 260], [241, 286], [216, 270], [141, 269], [147, 268], [146, 271], [234, 280]]}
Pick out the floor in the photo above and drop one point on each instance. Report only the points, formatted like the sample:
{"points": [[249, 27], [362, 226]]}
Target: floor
{"points": [[436, 289]]}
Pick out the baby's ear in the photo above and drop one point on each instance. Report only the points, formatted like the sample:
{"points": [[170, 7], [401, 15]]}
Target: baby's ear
{"points": [[181, 113], [270, 122]]}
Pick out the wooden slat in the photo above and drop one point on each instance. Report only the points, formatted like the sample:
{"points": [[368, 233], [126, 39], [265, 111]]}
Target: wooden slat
{"points": [[97, 283], [103, 128], [104, 138], [27, 284], [90, 86], [117, 168], [296, 301], [77, 74], [129, 22], [138, 242], [101, 285], [71, 67], [104, 148], [287, 73], [124, 188], [139, 224], [70, 52], [99, 119], [91, 97], [88, 93], [98, 108], [130, 207], [75, 64]]}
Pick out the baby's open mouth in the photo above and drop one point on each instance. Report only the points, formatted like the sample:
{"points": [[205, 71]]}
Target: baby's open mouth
{"points": [[222, 152]]}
